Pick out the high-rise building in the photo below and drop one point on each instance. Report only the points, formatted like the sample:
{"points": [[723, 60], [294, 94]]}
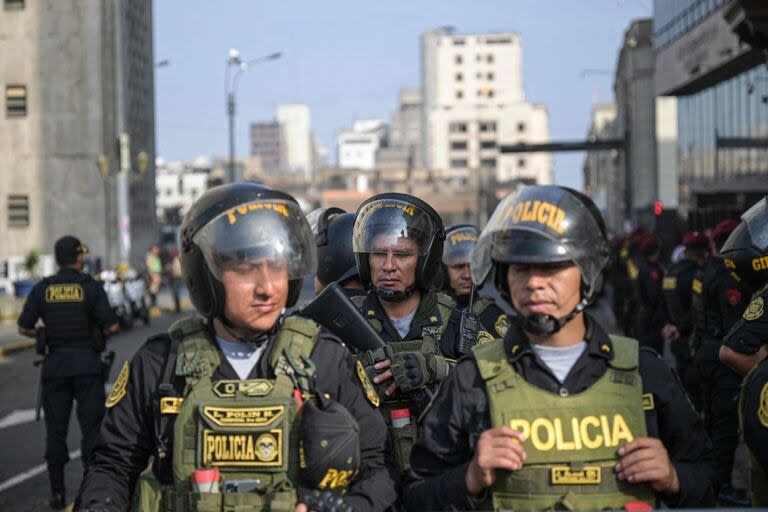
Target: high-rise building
{"points": [[711, 57], [473, 102], [356, 148], [58, 74], [600, 167], [297, 132], [268, 143], [405, 122]]}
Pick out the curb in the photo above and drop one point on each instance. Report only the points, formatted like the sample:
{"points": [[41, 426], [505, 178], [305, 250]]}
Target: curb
{"points": [[16, 346]]}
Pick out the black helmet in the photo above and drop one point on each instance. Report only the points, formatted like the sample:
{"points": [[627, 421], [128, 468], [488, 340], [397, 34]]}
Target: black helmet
{"points": [[238, 222], [397, 216], [746, 250], [540, 225], [332, 228], [459, 242]]}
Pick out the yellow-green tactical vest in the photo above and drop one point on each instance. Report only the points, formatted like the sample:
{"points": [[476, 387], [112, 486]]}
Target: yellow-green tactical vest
{"points": [[402, 439], [571, 441], [245, 428]]}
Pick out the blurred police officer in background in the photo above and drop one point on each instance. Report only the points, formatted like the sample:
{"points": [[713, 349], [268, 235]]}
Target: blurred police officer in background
{"points": [[332, 228], [76, 318]]}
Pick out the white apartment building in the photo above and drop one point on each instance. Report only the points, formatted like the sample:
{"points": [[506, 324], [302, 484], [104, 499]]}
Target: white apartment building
{"points": [[179, 184], [473, 102], [356, 148], [297, 131]]}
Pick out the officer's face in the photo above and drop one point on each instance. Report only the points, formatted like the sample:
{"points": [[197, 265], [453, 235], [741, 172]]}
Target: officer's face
{"points": [[393, 265], [256, 293], [460, 278], [553, 289]]}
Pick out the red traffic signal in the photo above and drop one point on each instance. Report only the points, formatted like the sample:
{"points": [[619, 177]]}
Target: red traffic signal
{"points": [[658, 207]]}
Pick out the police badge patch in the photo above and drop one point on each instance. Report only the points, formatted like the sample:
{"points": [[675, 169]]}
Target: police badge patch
{"points": [[754, 310], [484, 337], [501, 325], [762, 411], [118, 389], [370, 392]]}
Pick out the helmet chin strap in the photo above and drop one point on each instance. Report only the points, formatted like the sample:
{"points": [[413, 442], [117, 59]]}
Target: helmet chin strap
{"points": [[393, 295], [542, 324]]}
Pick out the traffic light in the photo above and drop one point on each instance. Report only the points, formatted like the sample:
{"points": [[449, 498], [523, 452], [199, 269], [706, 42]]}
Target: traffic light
{"points": [[658, 207]]}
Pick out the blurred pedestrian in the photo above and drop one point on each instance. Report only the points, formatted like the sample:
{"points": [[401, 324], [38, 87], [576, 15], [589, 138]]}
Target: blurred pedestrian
{"points": [[154, 266]]}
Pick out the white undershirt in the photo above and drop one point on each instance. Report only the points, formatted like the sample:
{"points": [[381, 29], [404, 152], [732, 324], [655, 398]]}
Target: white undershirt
{"points": [[241, 356], [403, 325], [560, 359]]}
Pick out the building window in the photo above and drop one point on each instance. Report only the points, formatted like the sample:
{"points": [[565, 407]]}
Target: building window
{"points": [[488, 144], [458, 128], [488, 162], [491, 93], [521, 127], [459, 145], [459, 163], [488, 126], [479, 76], [489, 59], [459, 77], [521, 163], [458, 42], [489, 76], [458, 59], [13, 5], [479, 58], [18, 211], [15, 100], [459, 95]]}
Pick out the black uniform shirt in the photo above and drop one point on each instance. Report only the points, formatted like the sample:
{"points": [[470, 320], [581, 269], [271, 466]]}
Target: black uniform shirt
{"points": [[460, 413], [127, 437], [751, 331], [74, 309], [725, 299], [683, 272], [755, 414]]}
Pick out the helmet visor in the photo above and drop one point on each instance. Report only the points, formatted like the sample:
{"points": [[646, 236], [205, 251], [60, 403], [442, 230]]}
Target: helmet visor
{"points": [[459, 244], [270, 236], [541, 225], [757, 224], [392, 225]]}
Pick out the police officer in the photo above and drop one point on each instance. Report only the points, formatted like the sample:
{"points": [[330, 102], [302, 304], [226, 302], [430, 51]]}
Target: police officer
{"points": [[76, 317], [241, 390], [332, 228], [744, 347], [558, 413], [718, 303], [398, 242], [459, 242], [650, 316], [676, 287]]}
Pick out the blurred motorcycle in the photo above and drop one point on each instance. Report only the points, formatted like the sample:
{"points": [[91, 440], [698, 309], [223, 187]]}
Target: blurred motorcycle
{"points": [[136, 293], [117, 299]]}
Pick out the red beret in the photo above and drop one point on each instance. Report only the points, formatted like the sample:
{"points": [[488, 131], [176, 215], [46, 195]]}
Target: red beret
{"points": [[724, 229], [648, 243], [695, 239]]}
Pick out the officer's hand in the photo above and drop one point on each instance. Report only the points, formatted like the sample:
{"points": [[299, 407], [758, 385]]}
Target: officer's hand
{"points": [[497, 448], [645, 460], [670, 333], [385, 375]]}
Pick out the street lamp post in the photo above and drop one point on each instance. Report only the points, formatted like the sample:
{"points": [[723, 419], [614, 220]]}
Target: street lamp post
{"points": [[230, 86]]}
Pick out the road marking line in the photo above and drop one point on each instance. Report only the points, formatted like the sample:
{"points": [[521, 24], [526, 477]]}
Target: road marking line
{"points": [[19, 417], [31, 473]]}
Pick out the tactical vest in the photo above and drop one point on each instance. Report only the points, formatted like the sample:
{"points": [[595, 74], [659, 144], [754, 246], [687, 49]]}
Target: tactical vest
{"points": [[65, 312], [708, 322], [669, 286], [248, 429], [571, 441], [403, 438]]}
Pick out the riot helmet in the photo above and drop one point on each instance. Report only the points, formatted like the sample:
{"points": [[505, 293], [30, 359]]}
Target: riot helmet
{"points": [[746, 250], [460, 240], [540, 225], [332, 228], [386, 220], [239, 224]]}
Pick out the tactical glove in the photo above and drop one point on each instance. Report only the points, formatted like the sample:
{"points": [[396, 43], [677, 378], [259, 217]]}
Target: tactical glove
{"points": [[371, 357], [414, 370]]}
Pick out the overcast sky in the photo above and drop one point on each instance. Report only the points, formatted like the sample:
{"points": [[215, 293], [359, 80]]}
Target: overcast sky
{"points": [[348, 59]]}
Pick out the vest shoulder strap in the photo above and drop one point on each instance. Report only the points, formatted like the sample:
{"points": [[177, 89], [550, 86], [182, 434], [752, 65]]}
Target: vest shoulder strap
{"points": [[490, 358], [480, 303], [625, 353], [444, 307], [359, 302], [196, 355], [293, 346]]}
